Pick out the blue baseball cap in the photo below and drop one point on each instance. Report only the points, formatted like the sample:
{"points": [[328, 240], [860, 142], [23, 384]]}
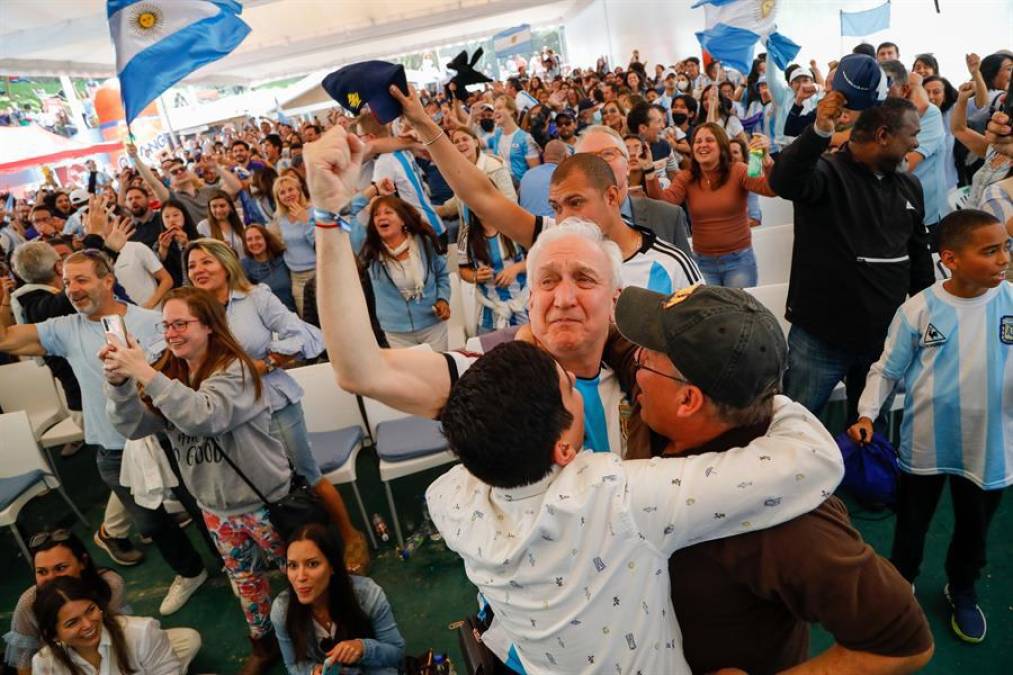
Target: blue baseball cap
{"points": [[368, 82], [862, 82]]}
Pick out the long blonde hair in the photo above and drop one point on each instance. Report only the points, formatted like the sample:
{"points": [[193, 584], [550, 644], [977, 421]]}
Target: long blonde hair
{"points": [[281, 209], [225, 256]]}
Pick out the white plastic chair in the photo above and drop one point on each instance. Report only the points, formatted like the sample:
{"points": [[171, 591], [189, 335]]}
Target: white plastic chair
{"points": [[335, 429], [470, 306], [24, 474], [406, 445], [775, 298], [457, 325], [772, 247], [776, 211]]}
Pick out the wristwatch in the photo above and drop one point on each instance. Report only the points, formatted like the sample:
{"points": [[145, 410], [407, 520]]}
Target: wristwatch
{"points": [[328, 219]]}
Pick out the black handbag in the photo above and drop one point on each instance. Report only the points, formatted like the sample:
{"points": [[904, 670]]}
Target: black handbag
{"points": [[300, 506]]}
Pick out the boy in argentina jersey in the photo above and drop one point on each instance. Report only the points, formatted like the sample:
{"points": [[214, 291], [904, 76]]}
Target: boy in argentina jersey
{"points": [[952, 345], [516, 147]]}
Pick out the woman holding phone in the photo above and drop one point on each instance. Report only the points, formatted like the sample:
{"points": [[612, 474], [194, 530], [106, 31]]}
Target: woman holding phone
{"points": [[206, 395]]}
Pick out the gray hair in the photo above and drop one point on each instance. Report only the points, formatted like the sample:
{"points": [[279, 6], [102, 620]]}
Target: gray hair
{"points": [[575, 226], [608, 131], [35, 262]]}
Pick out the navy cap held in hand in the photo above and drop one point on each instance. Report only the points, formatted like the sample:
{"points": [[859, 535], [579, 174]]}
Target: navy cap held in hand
{"points": [[368, 82], [862, 82]]}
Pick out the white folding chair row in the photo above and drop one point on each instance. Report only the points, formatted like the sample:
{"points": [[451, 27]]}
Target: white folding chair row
{"points": [[776, 210], [772, 247], [457, 325], [335, 428], [24, 474]]}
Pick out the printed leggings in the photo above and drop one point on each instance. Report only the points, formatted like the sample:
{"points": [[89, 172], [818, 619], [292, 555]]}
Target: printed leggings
{"points": [[242, 539]]}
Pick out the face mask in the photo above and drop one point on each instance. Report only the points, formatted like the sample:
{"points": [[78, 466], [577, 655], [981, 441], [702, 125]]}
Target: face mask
{"points": [[679, 118], [487, 125], [682, 85]]}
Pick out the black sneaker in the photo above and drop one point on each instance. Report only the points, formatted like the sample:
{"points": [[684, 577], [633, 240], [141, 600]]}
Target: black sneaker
{"points": [[122, 551]]}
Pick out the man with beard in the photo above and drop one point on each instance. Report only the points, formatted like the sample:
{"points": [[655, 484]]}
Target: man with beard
{"points": [[147, 222], [88, 282], [14, 232], [186, 186], [861, 246], [566, 130]]}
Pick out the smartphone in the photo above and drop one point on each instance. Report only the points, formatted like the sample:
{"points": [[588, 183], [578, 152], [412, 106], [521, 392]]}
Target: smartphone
{"points": [[113, 324]]}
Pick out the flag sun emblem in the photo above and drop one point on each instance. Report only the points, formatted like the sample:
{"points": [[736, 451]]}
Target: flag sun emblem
{"points": [[146, 19]]}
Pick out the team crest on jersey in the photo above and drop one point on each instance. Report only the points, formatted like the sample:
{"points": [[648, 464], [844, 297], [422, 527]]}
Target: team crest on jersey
{"points": [[933, 336], [1006, 330]]}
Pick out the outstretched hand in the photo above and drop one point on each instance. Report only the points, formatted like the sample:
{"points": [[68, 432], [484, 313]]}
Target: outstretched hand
{"points": [[332, 168], [829, 110]]}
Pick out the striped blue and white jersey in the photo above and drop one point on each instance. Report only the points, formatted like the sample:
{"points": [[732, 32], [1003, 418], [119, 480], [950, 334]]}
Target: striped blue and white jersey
{"points": [[401, 168], [515, 150], [955, 356], [513, 298], [606, 409], [657, 266]]}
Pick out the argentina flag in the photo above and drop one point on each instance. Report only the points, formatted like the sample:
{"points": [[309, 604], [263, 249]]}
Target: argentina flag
{"points": [[735, 26], [159, 42]]}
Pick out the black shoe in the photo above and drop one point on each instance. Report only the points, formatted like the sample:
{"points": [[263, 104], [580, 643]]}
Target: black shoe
{"points": [[122, 551]]}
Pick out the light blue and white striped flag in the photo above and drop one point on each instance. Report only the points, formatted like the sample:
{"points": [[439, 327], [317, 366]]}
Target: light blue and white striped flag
{"points": [[159, 42], [513, 41], [733, 27]]}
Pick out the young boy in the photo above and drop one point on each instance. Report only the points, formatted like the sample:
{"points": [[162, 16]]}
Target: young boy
{"points": [[952, 344]]}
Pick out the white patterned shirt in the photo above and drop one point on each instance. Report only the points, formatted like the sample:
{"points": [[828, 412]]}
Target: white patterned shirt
{"points": [[575, 566]]}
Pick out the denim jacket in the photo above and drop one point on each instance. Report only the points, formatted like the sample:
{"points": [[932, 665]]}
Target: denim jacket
{"points": [[398, 315], [382, 655]]}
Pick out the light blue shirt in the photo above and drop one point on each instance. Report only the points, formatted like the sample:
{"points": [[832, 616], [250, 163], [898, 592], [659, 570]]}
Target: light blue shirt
{"points": [[955, 356], [78, 339], [300, 244], [534, 190], [262, 323], [931, 171], [515, 149], [381, 655]]}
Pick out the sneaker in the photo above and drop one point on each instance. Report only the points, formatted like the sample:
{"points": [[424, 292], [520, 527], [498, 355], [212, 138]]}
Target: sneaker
{"points": [[180, 591], [122, 551], [967, 620]]}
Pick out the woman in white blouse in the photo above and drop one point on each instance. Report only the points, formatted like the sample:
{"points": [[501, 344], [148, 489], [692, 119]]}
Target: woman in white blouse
{"points": [[83, 637]]}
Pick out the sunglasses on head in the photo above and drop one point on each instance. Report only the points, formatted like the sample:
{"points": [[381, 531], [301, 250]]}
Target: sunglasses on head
{"points": [[177, 171], [43, 538]]}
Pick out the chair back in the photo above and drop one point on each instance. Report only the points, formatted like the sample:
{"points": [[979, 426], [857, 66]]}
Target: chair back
{"points": [[772, 247], [775, 298], [20, 452], [326, 406], [457, 324], [28, 386], [776, 211]]}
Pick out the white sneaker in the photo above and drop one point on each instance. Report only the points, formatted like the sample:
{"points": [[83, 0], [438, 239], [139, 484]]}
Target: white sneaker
{"points": [[180, 591]]}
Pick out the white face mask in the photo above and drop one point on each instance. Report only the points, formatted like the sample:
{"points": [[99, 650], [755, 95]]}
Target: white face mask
{"points": [[682, 85]]}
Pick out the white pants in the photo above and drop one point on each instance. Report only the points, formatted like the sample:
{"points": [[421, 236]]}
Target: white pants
{"points": [[185, 643], [435, 336]]}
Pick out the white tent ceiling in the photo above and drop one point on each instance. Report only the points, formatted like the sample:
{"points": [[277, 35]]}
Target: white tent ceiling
{"points": [[289, 37]]}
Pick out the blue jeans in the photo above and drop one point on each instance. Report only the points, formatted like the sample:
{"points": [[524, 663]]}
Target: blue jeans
{"points": [[815, 367], [734, 270], [288, 425]]}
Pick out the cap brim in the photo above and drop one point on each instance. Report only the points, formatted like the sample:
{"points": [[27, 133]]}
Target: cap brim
{"points": [[638, 317]]}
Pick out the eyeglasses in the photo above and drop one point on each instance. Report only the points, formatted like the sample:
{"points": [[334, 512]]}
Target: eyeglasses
{"points": [[639, 365], [177, 171], [609, 154], [177, 326], [43, 538]]}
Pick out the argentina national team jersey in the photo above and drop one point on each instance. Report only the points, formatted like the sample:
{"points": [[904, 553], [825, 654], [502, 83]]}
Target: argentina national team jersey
{"points": [[510, 303], [401, 168], [514, 149], [605, 406], [955, 356]]}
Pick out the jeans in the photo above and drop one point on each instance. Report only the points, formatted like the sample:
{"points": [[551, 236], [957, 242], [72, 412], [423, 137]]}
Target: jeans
{"points": [[815, 367], [734, 270], [973, 508], [172, 542], [288, 425]]}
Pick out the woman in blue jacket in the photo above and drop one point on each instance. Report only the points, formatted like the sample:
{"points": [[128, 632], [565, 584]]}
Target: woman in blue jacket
{"points": [[327, 616], [409, 274]]}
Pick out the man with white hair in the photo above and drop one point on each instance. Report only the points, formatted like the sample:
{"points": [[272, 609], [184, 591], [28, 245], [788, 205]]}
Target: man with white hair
{"points": [[579, 187]]}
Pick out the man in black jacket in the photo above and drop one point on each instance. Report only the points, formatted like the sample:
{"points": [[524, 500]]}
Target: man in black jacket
{"points": [[860, 245]]}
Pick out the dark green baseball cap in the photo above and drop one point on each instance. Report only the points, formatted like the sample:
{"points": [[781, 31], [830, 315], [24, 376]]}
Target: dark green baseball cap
{"points": [[721, 339]]}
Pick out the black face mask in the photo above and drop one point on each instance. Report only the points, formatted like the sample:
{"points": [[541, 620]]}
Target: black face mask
{"points": [[679, 118], [487, 125]]}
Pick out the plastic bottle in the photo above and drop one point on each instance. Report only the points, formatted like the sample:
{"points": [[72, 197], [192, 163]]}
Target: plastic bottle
{"points": [[380, 527], [411, 544], [755, 163]]}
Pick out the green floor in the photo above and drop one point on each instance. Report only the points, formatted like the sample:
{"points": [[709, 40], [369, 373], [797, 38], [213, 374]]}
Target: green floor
{"points": [[430, 590]]}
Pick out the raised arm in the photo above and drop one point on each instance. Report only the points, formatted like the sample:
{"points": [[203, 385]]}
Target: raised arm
{"points": [[19, 340], [414, 381], [161, 192], [980, 88], [466, 180], [971, 139], [794, 175]]}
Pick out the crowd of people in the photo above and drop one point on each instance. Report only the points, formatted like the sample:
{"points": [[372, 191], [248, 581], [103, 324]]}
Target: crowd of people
{"points": [[644, 485]]}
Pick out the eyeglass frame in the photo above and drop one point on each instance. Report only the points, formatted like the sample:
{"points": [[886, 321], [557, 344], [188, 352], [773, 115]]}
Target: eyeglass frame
{"points": [[40, 539], [638, 365], [164, 326]]}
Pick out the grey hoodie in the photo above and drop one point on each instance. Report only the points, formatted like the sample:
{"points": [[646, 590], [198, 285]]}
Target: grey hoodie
{"points": [[223, 416]]}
